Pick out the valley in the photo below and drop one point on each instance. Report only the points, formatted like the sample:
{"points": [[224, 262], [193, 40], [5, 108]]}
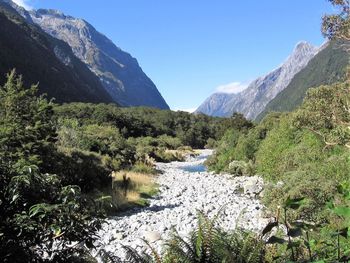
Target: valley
{"points": [[96, 166]]}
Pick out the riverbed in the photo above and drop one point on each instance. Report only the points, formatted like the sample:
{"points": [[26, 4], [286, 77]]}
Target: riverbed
{"points": [[184, 189]]}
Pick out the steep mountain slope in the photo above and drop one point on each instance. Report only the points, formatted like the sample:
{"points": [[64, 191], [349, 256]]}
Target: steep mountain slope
{"points": [[328, 66], [252, 101], [43, 59], [217, 105], [117, 70]]}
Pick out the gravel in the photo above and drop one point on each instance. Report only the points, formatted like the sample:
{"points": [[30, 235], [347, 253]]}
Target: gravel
{"points": [[184, 192]]}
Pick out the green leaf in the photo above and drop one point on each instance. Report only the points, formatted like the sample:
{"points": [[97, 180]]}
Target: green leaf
{"points": [[14, 198], [342, 211]]}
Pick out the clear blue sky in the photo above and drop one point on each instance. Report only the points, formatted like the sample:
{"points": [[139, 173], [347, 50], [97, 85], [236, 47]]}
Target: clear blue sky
{"points": [[190, 47]]}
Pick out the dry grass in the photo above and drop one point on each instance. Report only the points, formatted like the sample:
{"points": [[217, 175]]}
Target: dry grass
{"points": [[134, 191], [180, 154]]}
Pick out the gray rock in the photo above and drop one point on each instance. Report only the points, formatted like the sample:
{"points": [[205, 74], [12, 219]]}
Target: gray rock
{"points": [[152, 236], [252, 101], [206, 191], [119, 73]]}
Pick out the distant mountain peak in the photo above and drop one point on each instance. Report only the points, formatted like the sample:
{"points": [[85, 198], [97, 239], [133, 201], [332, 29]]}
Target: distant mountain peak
{"points": [[252, 101], [303, 44], [51, 12], [118, 72]]}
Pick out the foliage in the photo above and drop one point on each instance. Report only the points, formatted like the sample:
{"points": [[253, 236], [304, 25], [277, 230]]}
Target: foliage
{"points": [[337, 26], [185, 128], [26, 124], [130, 188], [40, 216], [326, 68], [241, 168], [326, 112], [295, 150], [207, 243]]}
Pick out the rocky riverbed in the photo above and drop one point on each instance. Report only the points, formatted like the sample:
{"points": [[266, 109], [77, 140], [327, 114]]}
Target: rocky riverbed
{"points": [[185, 188]]}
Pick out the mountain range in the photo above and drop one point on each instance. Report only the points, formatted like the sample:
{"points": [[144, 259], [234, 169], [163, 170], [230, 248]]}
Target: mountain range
{"points": [[113, 74], [327, 67], [42, 59], [253, 100]]}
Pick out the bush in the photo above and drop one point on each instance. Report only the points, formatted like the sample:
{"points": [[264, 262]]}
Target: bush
{"points": [[224, 153], [211, 143], [140, 167], [207, 243], [241, 168], [37, 207], [88, 170]]}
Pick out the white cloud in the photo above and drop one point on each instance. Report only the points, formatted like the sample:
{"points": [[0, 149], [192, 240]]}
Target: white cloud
{"points": [[233, 87], [23, 3], [191, 110]]}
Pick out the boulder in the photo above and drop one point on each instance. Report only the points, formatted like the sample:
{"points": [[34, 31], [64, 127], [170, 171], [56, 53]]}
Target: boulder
{"points": [[151, 236], [253, 186]]}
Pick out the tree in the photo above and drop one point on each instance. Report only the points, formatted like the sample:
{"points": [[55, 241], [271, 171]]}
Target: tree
{"points": [[26, 123], [326, 112], [338, 26], [41, 219]]}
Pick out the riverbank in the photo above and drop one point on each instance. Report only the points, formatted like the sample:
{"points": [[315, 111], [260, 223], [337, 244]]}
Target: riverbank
{"points": [[184, 189]]}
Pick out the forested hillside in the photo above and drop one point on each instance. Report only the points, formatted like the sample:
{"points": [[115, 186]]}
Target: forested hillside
{"points": [[40, 58], [81, 180], [327, 67]]}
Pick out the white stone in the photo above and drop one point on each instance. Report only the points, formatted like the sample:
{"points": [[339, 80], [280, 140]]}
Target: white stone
{"points": [[169, 210]]}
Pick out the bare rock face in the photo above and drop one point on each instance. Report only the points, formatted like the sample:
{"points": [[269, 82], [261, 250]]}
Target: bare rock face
{"points": [[119, 73], [252, 101], [41, 58]]}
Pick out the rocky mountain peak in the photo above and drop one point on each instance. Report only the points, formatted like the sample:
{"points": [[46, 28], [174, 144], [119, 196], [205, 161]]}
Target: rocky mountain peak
{"points": [[252, 101], [50, 12], [119, 73], [303, 45]]}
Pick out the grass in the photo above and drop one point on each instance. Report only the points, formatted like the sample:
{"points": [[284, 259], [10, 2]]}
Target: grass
{"points": [[134, 191]]}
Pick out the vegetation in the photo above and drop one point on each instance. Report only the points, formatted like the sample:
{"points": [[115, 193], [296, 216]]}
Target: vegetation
{"points": [[41, 217], [337, 26], [63, 166], [327, 67], [57, 164], [207, 243], [132, 188], [33, 53]]}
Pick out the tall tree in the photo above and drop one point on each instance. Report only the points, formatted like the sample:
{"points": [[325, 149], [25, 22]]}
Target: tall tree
{"points": [[26, 123], [337, 26], [40, 218]]}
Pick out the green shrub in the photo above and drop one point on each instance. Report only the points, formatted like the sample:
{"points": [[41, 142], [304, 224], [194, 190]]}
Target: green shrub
{"points": [[140, 167], [211, 143], [36, 206], [207, 243], [224, 153], [185, 148]]}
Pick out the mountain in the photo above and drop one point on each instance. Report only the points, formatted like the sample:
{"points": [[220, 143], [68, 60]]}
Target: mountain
{"points": [[252, 101], [327, 67], [118, 71], [43, 59], [217, 105]]}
